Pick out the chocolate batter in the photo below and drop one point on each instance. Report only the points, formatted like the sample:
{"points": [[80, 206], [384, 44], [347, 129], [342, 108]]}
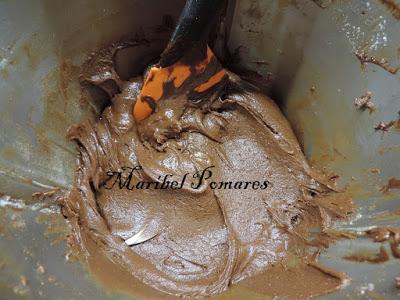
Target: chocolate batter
{"points": [[383, 234], [199, 242], [365, 102], [374, 258], [365, 58]]}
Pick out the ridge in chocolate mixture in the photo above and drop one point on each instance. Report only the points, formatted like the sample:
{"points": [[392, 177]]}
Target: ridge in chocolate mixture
{"points": [[200, 242]]}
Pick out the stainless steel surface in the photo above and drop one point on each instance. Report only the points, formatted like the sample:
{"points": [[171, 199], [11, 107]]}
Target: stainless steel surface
{"points": [[309, 51]]}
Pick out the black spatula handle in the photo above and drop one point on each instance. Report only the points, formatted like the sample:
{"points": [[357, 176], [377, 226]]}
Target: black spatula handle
{"points": [[191, 32]]}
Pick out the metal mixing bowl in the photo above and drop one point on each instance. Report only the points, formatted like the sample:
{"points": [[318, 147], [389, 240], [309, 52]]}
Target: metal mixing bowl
{"points": [[308, 49]]}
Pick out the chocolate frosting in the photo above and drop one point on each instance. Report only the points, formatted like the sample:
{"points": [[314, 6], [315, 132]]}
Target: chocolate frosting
{"points": [[200, 241]]}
